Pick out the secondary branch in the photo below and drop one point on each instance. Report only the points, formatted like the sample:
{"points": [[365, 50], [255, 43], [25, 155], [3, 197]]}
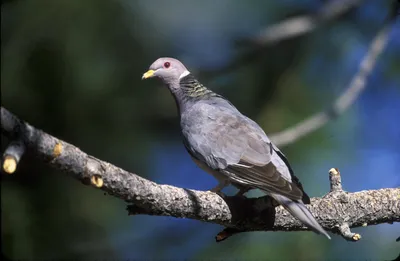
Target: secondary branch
{"points": [[349, 95]]}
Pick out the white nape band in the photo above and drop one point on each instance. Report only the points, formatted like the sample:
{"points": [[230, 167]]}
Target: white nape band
{"points": [[184, 74]]}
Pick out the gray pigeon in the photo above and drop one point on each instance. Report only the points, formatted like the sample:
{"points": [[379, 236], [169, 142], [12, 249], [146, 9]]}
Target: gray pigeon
{"points": [[229, 145]]}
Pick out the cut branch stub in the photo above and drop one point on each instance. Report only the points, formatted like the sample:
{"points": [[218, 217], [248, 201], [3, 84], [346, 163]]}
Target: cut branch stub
{"points": [[12, 156], [97, 181], [345, 232], [335, 180]]}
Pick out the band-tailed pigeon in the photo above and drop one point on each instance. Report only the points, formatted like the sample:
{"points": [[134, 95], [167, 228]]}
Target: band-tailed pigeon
{"points": [[229, 145]]}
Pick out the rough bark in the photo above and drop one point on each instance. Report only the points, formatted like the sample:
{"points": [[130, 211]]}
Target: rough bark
{"points": [[336, 211]]}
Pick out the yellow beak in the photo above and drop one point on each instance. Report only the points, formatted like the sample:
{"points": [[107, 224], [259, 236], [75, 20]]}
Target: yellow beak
{"points": [[148, 74]]}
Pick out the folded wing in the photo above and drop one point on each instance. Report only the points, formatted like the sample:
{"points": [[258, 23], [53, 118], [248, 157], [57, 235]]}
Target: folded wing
{"points": [[237, 147]]}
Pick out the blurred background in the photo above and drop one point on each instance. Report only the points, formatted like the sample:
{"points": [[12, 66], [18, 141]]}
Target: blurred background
{"points": [[73, 68]]}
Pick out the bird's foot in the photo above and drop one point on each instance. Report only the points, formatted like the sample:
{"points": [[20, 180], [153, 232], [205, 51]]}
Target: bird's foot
{"points": [[241, 192], [218, 189], [218, 192], [221, 185]]}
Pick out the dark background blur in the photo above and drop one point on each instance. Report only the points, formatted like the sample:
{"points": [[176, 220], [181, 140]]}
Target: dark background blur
{"points": [[73, 68]]}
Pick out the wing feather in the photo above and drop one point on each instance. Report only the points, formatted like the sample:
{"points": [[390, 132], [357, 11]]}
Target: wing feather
{"points": [[237, 147]]}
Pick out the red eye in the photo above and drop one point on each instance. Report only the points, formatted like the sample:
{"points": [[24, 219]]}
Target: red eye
{"points": [[167, 64]]}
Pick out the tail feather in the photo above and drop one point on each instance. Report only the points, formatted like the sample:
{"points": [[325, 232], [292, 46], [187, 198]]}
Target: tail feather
{"points": [[301, 212]]}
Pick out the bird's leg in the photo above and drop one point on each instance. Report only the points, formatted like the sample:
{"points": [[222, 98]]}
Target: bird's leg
{"points": [[242, 191], [222, 184]]}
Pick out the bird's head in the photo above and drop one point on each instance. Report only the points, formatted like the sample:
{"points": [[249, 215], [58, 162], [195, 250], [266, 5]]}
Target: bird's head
{"points": [[169, 70]]}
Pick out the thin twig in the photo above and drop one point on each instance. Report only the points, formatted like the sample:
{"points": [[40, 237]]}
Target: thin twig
{"points": [[301, 25], [285, 30], [345, 100]]}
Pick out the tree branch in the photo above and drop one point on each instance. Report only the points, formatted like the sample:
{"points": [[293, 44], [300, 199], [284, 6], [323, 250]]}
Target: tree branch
{"points": [[288, 29], [348, 97], [300, 25], [238, 214]]}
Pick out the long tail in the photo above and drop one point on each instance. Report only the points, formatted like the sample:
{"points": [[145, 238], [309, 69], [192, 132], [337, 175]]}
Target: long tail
{"points": [[301, 212]]}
